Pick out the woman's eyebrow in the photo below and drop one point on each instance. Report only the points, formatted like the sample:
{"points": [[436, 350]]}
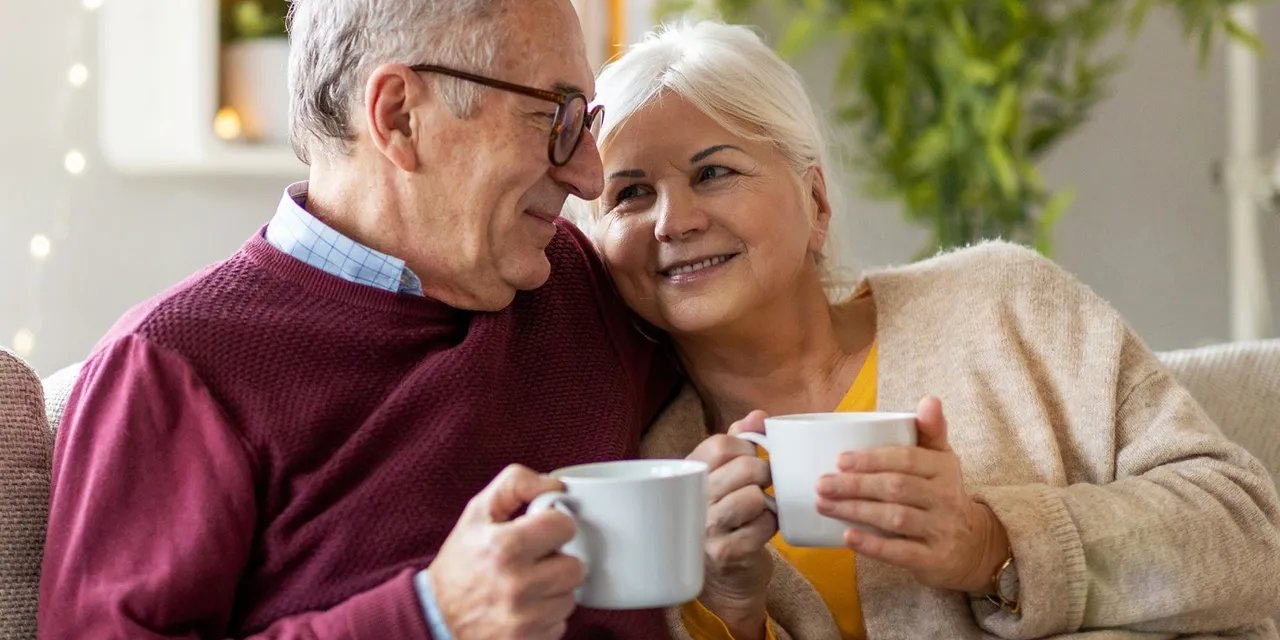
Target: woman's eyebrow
{"points": [[701, 155], [627, 173]]}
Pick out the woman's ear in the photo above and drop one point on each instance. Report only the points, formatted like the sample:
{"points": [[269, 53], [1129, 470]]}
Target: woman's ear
{"points": [[391, 94], [819, 208]]}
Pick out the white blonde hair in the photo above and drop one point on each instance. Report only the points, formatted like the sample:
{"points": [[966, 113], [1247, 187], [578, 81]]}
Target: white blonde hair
{"points": [[336, 44], [728, 73]]}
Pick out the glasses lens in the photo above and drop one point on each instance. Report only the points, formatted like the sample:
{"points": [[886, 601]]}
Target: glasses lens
{"points": [[596, 117], [569, 129]]}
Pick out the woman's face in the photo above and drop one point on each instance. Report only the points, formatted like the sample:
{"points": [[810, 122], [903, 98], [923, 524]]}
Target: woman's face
{"points": [[701, 227]]}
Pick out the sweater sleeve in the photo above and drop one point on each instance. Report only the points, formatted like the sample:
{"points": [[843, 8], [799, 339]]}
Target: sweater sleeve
{"points": [[1184, 539], [644, 353], [153, 514]]}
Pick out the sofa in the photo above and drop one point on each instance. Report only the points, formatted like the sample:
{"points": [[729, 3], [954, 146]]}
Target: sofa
{"points": [[26, 446], [1237, 384]]}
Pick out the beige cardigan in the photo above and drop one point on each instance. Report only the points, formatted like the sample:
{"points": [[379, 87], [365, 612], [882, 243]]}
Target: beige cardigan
{"points": [[1125, 506]]}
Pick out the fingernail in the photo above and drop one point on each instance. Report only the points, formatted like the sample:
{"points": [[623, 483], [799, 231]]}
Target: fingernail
{"points": [[847, 461], [852, 537]]}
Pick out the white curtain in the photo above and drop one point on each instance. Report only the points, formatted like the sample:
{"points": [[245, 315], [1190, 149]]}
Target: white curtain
{"points": [[596, 20], [604, 21]]}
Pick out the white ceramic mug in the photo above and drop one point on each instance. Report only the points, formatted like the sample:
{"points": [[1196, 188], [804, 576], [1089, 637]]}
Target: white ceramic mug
{"points": [[805, 447], [640, 530]]}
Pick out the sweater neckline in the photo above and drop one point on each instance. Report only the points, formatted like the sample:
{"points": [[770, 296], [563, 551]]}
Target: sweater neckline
{"points": [[315, 281]]}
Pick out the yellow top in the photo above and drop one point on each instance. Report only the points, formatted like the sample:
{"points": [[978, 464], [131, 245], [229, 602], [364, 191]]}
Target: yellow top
{"points": [[832, 572]]}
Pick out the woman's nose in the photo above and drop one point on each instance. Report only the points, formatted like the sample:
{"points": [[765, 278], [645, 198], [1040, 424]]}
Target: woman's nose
{"points": [[678, 218]]}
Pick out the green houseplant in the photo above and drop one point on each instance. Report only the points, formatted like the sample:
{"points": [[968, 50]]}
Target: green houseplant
{"points": [[953, 102], [253, 19]]}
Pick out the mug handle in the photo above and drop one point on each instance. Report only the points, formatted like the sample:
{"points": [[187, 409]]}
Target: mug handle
{"points": [[564, 503], [760, 440]]}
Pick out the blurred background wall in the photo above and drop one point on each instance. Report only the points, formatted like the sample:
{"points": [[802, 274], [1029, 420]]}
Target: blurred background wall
{"points": [[1148, 230]]}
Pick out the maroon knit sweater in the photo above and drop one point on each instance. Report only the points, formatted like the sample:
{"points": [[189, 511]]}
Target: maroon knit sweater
{"points": [[267, 449]]}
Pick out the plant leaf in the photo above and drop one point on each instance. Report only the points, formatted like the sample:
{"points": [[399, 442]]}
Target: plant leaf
{"points": [[1002, 167], [1137, 16], [799, 36], [930, 150], [1244, 36], [1003, 113], [1049, 218]]}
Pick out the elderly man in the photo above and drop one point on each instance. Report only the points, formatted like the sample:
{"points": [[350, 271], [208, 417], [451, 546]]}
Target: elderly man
{"points": [[302, 440]]}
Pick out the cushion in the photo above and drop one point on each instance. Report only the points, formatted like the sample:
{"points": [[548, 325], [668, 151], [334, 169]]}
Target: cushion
{"points": [[57, 390], [26, 451], [1238, 385]]}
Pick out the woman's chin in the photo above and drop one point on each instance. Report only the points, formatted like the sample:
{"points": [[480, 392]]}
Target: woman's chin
{"points": [[705, 322]]}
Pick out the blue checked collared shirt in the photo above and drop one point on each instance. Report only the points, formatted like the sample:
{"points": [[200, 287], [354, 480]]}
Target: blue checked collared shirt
{"points": [[296, 232]]}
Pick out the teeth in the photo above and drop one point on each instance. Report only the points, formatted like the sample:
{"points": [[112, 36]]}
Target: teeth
{"points": [[698, 266]]}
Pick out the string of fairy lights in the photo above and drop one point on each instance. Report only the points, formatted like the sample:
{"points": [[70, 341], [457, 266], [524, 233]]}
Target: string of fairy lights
{"points": [[607, 17], [42, 245]]}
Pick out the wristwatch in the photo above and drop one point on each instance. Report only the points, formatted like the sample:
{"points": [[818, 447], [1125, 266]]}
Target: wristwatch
{"points": [[1004, 587]]}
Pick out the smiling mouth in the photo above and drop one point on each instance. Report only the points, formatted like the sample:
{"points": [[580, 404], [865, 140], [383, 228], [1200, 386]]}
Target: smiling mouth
{"points": [[694, 267], [545, 217]]}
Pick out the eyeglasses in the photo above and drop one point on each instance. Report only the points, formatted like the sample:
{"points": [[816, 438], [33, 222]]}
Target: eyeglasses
{"points": [[572, 116]]}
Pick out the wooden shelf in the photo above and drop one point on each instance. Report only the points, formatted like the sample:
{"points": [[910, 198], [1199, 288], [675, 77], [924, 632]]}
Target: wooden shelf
{"points": [[158, 83], [230, 159], [159, 89]]}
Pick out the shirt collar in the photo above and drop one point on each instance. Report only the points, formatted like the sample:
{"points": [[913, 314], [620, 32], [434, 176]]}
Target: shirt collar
{"points": [[298, 233]]}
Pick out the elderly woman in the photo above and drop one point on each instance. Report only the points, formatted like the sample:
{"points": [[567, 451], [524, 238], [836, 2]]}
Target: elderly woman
{"points": [[1073, 487]]}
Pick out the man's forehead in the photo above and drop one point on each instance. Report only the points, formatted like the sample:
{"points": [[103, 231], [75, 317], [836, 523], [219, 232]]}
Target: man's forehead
{"points": [[560, 73], [546, 48], [557, 73]]}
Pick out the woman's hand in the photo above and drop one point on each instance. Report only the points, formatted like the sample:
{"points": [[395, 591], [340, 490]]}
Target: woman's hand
{"points": [[940, 534], [739, 526]]}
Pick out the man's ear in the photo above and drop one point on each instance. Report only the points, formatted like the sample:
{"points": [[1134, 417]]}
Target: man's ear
{"points": [[820, 206], [390, 95]]}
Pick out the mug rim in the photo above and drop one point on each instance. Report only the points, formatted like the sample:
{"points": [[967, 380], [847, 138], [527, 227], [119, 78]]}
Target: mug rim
{"points": [[858, 417], [680, 468]]}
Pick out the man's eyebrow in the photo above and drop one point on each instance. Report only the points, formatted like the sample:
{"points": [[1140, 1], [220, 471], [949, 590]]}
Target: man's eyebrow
{"points": [[565, 87]]}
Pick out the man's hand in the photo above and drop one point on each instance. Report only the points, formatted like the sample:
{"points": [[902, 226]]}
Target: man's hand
{"points": [[497, 577]]}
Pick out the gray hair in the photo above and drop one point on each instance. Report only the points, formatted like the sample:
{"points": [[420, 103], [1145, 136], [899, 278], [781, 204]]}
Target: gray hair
{"points": [[336, 44], [731, 75]]}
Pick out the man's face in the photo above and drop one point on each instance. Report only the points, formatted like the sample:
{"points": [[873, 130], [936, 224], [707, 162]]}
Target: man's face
{"points": [[489, 193]]}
